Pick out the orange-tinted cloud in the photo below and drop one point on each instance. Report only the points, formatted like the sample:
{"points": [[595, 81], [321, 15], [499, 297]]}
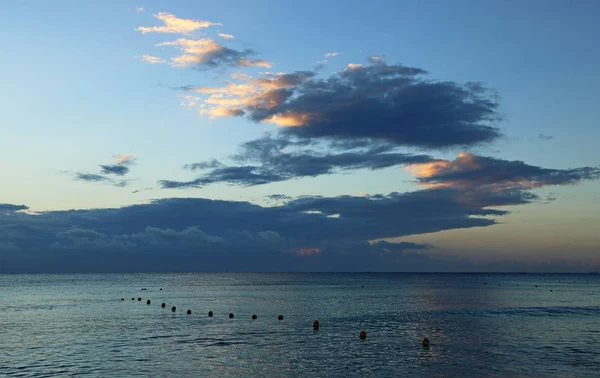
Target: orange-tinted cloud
{"points": [[173, 24]]}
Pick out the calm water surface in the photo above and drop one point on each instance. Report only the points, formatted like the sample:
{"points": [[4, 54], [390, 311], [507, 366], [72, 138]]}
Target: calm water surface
{"points": [[76, 325]]}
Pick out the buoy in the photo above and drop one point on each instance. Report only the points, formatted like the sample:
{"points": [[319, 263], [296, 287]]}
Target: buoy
{"points": [[425, 342], [161, 288], [550, 290], [173, 308], [280, 317], [486, 283], [139, 299], [133, 299], [122, 299], [148, 301], [231, 315], [189, 312], [210, 314], [535, 285], [363, 335], [316, 324], [254, 317], [163, 305]]}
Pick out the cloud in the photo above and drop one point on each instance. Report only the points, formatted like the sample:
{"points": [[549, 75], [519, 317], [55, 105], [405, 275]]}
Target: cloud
{"points": [[125, 158], [9, 208], [226, 36], [202, 234], [240, 76], [377, 101], [119, 170], [205, 53], [152, 59], [331, 54], [270, 159], [90, 177], [469, 170], [545, 137], [176, 25], [139, 9]]}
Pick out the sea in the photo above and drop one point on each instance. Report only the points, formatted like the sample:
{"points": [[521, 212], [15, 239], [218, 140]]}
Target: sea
{"points": [[479, 325]]}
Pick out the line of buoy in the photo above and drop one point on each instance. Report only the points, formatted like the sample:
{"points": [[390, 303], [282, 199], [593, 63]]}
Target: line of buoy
{"points": [[316, 324]]}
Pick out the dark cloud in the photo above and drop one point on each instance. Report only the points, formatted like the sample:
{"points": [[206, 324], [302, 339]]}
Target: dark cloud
{"points": [[195, 233], [391, 103], [469, 170], [209, 164], [279, 197], [116, 169], [9, 208], [270, 159], [545, 137], [121, 168], [90, 177]]}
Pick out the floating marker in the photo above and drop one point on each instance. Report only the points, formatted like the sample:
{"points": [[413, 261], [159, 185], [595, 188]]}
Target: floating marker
{"points": [[316, 325], [425, 343], [163, 305], [189, 312], [280, 317], [231, 315], [133, 299], [254, 317], [210, 314], [173, 308], [363, 335], [139, 299], [122, 299], [148, 301]]}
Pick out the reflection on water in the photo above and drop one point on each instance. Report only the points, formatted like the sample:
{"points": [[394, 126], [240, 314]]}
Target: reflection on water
{"points": [[76, 324]]}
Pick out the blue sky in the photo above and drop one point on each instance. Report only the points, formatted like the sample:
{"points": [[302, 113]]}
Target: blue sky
{"points": [[77, 93]]}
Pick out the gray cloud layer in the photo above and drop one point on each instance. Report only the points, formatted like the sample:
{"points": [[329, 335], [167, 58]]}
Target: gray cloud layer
{"points": [[200, 234], [270, 159]]}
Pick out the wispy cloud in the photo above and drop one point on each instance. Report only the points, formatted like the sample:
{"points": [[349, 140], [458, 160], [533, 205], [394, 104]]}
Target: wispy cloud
{"points": [[120, 168], [139, 9], [545, 137], [152, 59], [331, 54], [226, 36], [206, 53], [125, 158], [267, 159], [175, 25]]}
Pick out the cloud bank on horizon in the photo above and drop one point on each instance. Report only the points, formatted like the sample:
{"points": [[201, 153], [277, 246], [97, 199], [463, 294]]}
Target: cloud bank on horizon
{"points": [[365, 116]]}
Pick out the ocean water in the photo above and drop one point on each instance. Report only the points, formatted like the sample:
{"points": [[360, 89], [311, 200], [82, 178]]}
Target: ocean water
{"points": [[55, 325]]}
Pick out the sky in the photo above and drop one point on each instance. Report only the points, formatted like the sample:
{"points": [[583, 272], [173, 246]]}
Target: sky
{"points": [[269, 136]]}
